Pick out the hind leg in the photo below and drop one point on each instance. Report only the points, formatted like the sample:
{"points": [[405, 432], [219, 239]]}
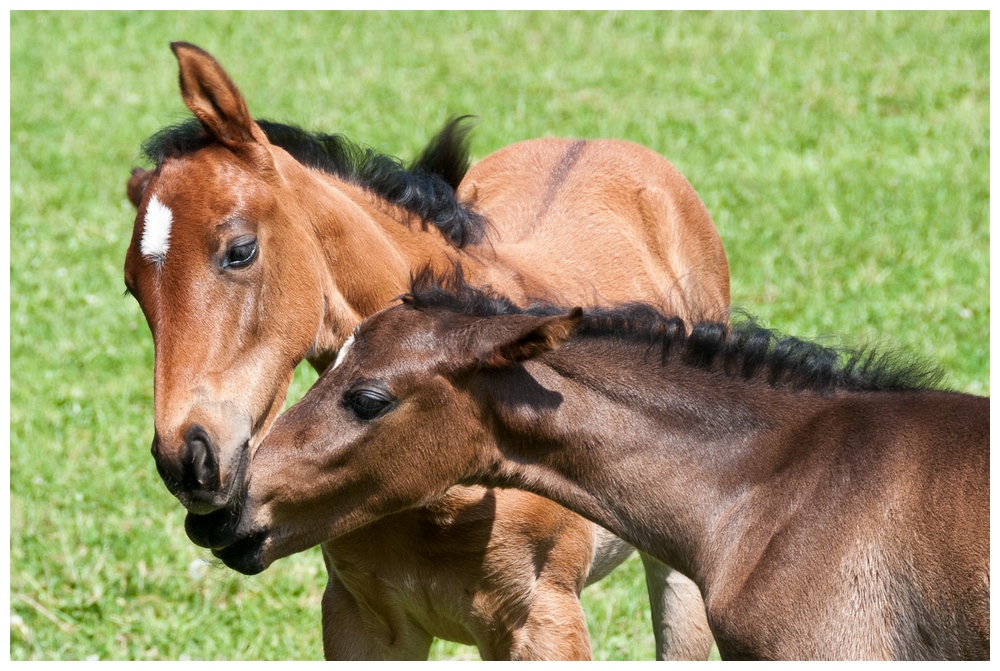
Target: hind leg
{"points": [[680, 626]]}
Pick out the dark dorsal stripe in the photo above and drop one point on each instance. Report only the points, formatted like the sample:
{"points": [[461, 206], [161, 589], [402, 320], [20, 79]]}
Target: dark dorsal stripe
{"points": [[558, 177], [744, 349], [425, 189]]}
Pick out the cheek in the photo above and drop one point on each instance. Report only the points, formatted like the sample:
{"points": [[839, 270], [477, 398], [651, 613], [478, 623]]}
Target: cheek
{"points": [[289, 307], [433, 440]]}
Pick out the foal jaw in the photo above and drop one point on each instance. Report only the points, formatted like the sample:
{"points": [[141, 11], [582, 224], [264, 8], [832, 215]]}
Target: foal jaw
{"points": [[219, 532]]}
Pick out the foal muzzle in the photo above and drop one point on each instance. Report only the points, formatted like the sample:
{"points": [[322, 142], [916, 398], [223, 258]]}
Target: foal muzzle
{"points": [[219, 531]]}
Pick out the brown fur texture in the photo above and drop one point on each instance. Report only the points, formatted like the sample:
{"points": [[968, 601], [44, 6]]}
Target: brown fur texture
{"points": [[837, 516], [590, 221]]}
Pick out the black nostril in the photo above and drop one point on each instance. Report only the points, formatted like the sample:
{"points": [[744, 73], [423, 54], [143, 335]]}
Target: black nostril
{"points": [[201, 464]]}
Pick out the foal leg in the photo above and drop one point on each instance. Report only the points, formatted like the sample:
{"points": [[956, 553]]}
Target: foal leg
{"points": [[526, 604], [353, 632], [680, 626], [555, 631], [556, 628], [544, 622]]}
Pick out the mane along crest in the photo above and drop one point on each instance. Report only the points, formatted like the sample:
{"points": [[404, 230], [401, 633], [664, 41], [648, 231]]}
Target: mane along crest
{"points": [[745, 349], [425, 189]]}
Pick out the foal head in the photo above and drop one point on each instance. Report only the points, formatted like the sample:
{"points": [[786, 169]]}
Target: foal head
{"points": [[248, 239], [216, 228], [390, 426]]}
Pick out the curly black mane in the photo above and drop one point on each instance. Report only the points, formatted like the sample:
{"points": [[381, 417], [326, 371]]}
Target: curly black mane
{"points": [[425, 188], [744, 348]]}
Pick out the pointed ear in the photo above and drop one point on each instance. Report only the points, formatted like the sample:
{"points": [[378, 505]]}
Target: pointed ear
{"points": [[507, 340], [137, 183], [210, 93]]}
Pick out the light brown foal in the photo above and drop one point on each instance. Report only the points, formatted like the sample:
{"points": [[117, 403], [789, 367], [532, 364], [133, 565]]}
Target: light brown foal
{"points": [[827, 508], [257, 245]]}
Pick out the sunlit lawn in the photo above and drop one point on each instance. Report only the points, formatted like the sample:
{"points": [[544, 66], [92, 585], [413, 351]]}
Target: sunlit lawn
{"points": [[844, 158]]}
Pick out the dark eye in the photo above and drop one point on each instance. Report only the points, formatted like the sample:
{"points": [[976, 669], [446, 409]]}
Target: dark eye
{"points": [[368, 403], [240, 255]]}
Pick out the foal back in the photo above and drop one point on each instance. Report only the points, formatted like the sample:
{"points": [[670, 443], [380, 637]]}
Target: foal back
{"points": [[640, 224]]}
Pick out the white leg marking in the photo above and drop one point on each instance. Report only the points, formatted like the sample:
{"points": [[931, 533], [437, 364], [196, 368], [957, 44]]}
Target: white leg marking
{"points": [[156, 231]]}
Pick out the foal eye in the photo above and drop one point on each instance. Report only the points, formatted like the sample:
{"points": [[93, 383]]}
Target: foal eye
{"points": [[368, 403], [241, 255]]}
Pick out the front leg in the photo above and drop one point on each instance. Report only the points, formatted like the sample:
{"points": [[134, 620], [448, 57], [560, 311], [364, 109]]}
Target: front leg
{"points": [[545, 623], [556, 628], [353, 632], [680, 626]]}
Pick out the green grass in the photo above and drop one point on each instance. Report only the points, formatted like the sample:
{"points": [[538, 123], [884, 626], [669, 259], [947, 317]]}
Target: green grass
{"points": [[844, 158]]}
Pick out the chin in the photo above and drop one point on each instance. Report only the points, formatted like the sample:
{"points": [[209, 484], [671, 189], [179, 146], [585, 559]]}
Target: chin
{"points": [[239, 549], [245, 555]]}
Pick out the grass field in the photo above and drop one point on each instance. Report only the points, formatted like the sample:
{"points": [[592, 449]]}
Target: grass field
{"points": [[843, 156]]}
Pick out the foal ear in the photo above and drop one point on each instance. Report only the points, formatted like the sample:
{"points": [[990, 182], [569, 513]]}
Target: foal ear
{"points": [[210, 93], [510, 339], [137, 184]]}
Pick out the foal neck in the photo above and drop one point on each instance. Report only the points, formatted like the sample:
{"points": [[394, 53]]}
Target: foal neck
{"points": [[371, 249], [690, 449]]}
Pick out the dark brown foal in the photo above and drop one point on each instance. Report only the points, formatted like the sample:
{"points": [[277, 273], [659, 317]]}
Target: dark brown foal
{"points": [[827, 508]]}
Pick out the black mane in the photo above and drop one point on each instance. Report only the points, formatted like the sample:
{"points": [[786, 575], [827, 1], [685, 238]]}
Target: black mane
{"points": [[744, 348], [425, 188]]}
